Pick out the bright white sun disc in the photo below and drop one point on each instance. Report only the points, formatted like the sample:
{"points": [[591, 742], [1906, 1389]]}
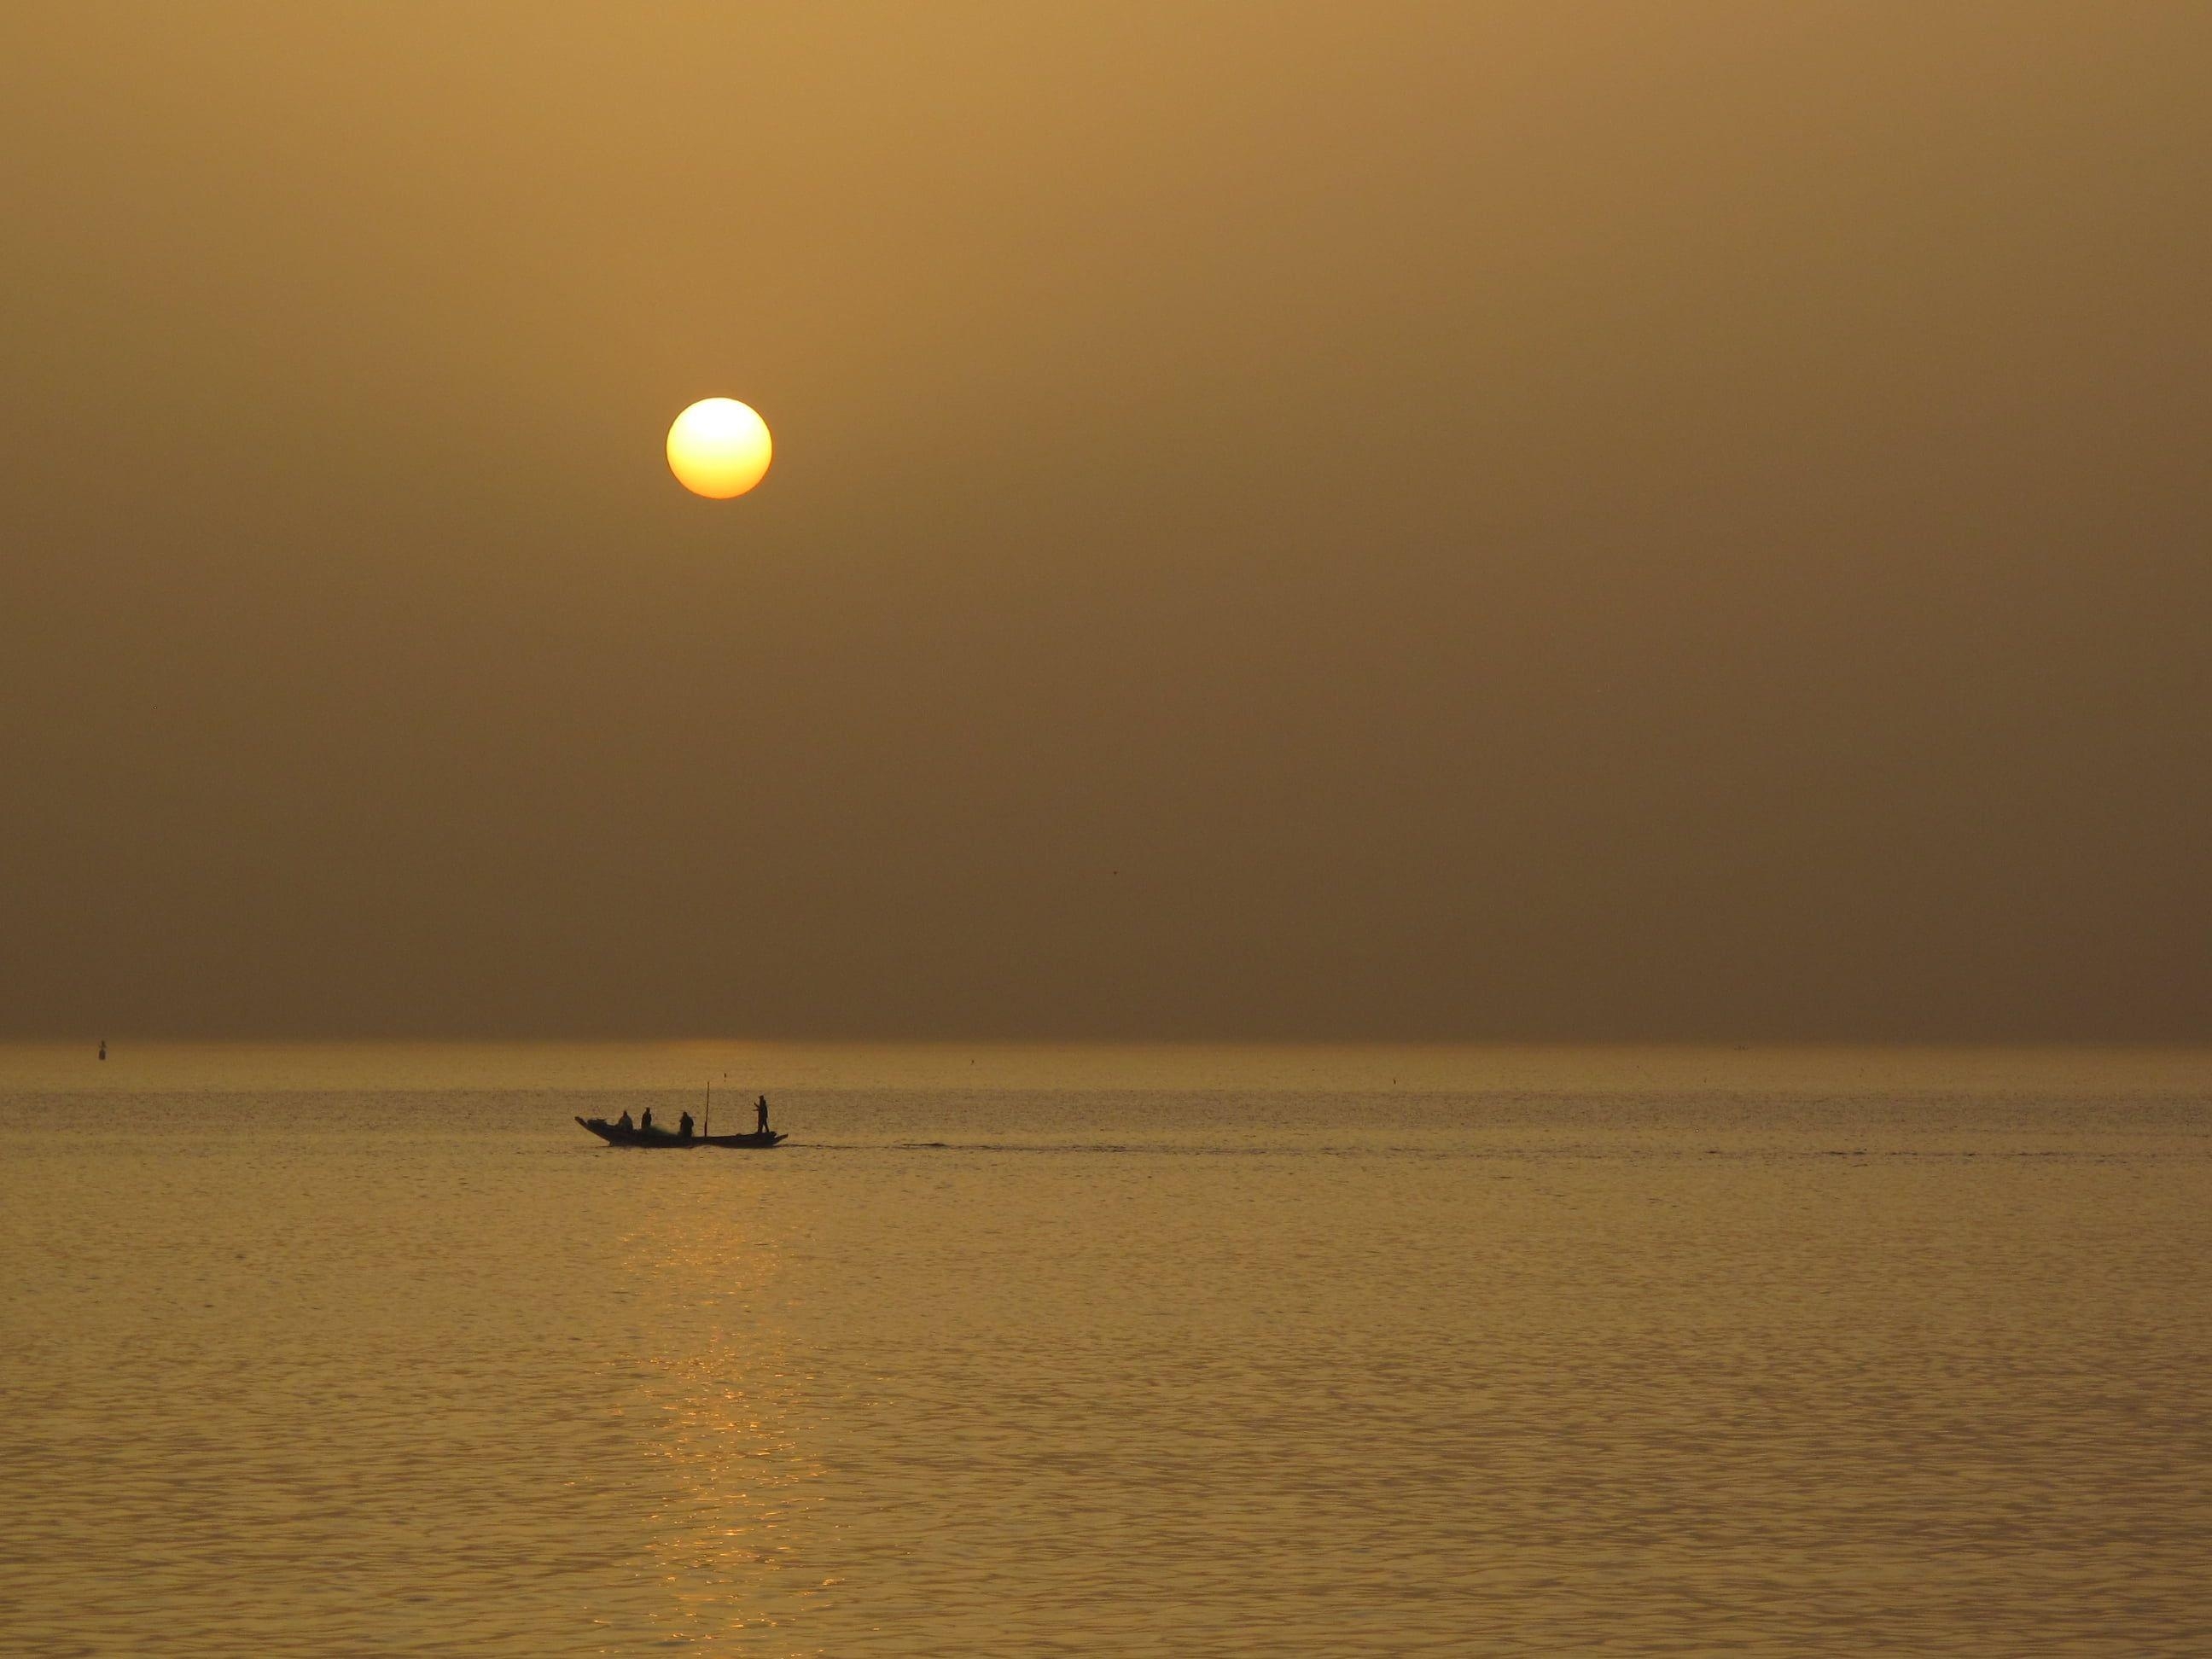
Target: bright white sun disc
{"points": [[719, 448]]}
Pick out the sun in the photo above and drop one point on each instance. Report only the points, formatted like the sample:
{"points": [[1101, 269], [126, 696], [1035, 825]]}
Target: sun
{"points": [[719, 447]]}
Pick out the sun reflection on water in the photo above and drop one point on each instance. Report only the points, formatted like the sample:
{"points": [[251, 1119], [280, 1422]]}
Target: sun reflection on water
{"points": [[713, 1408]]}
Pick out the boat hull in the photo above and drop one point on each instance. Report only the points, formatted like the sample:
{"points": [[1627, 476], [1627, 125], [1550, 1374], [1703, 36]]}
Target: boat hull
{"points": [[657, 1138]]}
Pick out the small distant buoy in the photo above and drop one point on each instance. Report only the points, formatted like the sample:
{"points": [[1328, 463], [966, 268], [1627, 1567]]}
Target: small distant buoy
{"points": [[103, 1048]]}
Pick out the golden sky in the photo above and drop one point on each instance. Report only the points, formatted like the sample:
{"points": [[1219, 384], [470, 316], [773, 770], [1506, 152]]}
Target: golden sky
{"points": [[1289, 520]]}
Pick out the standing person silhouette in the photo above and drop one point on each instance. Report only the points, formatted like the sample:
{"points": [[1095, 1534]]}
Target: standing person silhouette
{"points": [[646, 1122], [760, 1113]]}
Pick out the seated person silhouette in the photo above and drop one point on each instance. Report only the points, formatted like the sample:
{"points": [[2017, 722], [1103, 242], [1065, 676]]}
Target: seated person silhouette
{"points": [[623, 1122]]}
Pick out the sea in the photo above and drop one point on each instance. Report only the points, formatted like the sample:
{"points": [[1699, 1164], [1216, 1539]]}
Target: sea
{"points": [[359, 1350]]}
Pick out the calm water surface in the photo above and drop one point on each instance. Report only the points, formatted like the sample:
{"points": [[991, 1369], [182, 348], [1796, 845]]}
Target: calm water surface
{"points": [[371, 1351]]}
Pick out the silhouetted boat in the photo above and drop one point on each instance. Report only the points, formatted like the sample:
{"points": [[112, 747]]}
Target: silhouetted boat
{"points": [[615, 1135]]}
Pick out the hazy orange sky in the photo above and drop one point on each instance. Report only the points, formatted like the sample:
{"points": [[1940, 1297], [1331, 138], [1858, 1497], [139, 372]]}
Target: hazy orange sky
{"points": [[1459, 521]]}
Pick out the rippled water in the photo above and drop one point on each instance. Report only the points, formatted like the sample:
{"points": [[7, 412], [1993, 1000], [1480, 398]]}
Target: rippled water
{"points": [[346, 1352]]}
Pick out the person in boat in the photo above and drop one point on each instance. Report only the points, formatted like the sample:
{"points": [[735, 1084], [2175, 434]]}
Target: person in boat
{"points": [[646, 1122], [760, 1114], [623, 1122], [683, 1127]]}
